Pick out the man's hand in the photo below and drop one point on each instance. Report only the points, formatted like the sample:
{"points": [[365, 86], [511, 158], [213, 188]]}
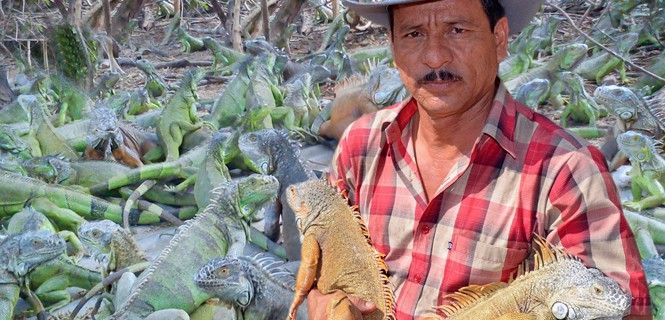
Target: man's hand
{"points": [[319, 304]]}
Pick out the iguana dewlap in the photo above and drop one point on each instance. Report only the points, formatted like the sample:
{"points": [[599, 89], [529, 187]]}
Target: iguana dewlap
{"points": [[336, 252]]}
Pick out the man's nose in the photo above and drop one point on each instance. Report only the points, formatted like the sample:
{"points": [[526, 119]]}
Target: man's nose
{"points": [[437, 53]]}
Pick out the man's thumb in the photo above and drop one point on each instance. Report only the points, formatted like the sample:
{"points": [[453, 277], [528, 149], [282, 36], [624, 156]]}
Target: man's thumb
{"points": [[363, 306]]}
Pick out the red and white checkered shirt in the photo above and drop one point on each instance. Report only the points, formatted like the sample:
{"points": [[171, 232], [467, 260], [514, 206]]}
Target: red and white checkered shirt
{"points": [[525, 175]]}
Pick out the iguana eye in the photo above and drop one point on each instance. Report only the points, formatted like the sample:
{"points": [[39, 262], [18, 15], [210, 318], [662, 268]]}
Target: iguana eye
{"points": [[223, 272]]}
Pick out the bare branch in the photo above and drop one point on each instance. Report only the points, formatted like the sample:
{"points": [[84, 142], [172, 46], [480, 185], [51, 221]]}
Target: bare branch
{"points": [[570, 20]]}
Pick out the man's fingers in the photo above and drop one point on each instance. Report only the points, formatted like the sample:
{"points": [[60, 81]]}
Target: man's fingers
{"points": [[363, 306]]}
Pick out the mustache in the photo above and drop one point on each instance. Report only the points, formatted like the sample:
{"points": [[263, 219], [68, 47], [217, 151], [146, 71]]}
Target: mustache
{"points": [[442, 74]]}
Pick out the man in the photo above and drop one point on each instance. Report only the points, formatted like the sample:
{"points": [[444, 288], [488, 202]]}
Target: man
{"points": [[454, 181]]}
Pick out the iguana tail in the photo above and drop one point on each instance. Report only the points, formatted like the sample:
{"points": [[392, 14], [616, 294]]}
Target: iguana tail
{"points": [[146, 172], [140, 191]]}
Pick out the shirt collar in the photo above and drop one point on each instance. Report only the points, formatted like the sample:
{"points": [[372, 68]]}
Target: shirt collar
{"points": [[500, 124]]}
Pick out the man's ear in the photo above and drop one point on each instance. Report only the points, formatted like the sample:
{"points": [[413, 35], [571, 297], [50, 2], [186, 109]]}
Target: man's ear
{"points": [[501, 32]]}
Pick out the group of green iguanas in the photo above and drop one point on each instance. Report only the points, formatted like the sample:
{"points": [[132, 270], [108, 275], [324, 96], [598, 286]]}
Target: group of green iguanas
{"points": [[79, 167]]}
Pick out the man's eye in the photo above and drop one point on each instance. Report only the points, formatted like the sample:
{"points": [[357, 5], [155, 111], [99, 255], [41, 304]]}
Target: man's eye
{"points": [[458, 30], [413, 34]]}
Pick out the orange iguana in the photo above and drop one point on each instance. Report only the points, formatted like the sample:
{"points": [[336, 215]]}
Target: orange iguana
{"points": [[361, 94], [559, 287], [337, 253]]}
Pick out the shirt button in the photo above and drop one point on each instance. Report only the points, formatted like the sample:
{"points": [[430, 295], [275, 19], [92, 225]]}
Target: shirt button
{"points": [[425, 229]]}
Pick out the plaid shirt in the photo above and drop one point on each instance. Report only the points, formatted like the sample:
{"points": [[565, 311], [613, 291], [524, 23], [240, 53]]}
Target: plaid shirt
{"points": [[525, 175]]}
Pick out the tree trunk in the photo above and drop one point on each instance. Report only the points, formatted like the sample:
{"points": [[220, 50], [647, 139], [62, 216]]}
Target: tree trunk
{"points": [[283, 18]]}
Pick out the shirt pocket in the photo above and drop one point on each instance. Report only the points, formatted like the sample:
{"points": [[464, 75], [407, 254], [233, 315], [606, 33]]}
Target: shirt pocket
{"points": [[485, 262]]}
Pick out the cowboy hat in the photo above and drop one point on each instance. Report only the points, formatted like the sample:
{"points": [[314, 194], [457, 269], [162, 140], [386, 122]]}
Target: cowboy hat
{"points": [[519, 12]]}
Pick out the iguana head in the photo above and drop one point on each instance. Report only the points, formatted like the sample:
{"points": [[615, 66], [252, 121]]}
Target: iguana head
{"points": [[588, 294], [51, 169], [254, 191], [384, 86], [621, 101], [104, 134], [534, 92], [638, 147], [189, 84], [23, 252], [256, 148], [308, 201], [96, 237], [226, 279], [10, 142], [568, 55]]}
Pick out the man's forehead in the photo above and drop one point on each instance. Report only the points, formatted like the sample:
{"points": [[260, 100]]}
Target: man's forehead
{"points": [[444, 11]]}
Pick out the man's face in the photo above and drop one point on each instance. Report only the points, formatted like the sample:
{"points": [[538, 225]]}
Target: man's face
{"points": [[447, 54]]}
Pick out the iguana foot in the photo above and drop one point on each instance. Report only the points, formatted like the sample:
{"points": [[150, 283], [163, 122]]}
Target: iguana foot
{"points": [[633, 205]]}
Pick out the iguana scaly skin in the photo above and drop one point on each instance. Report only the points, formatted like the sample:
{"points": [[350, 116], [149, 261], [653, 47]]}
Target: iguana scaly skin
{"points": [[559, 287], [534, 92], [111, 245], [213, 232], [259, 287], [271, 152], [20, 254], [179, 115], [337, 252], [50, 279], [648, 167]]}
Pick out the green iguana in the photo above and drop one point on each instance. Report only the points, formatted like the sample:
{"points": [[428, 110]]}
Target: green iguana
{"points": [[179, 116], [632, 113], [581, 107], [11, 142], [559, 287], [270, 151], [111, 245], [20, 254], [534, 92], [218, 229], [601, 64], [66, 207], [337, 253], [50, 169], [648, 84], [562, 60], [50, 279], [647, 170], [259, 287], [43, 135]]}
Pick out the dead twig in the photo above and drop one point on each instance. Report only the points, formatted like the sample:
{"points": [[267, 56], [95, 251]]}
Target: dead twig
{"points": [[183, 63], [252, 16], [594, 41]]}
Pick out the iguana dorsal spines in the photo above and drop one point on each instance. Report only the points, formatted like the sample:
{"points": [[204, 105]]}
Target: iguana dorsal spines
{"points": [[558, 286], [467, 296]]}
